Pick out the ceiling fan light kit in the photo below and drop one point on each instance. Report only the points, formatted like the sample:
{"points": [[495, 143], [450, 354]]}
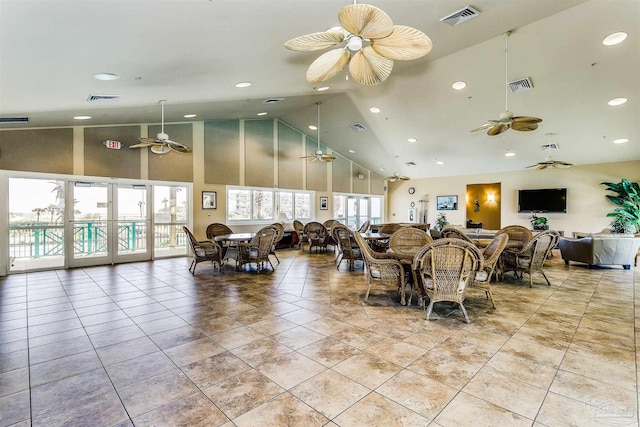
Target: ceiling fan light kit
{"points": [[507, 120], [372, 44], [549, 162]]}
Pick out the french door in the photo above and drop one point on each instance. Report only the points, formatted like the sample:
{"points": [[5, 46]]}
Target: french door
{"points": [[108, 223]]}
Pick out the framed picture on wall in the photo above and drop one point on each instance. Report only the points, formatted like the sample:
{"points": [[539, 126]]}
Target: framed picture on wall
{"points": [[412, 215], [209, 200], [324, 203], [447, 203]]}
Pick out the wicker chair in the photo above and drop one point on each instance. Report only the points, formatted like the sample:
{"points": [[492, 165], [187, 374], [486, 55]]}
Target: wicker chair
{"points": [[381, 268], [347, 246], [298, 227], [454, 233], [279, 234], [406, 242], [530, 259], [491, 256], [203, 251], [257, 250], [217, 229], [446, 267], [385, 230], [316, 235], [330, 240], [517, 234], [364, 227]]}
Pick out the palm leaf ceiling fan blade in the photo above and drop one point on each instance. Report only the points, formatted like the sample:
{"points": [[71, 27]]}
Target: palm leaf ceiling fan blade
{"points": [[397, 177], [369, 68], [162, 144], [315, 41], [328, 65], [405, 43], [507, 120], [549, 162], [319, 155], [371, 64]]}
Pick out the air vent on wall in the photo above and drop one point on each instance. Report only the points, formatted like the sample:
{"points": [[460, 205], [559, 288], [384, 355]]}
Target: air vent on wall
{"points": [[460, 16], [358, 127], [103, 98], [13, 120], [552, 146], [521, 85], [272, 100]]}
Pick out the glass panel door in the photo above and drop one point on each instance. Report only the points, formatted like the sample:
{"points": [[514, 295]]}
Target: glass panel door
{"points": [[170, 213], [132, 221]]}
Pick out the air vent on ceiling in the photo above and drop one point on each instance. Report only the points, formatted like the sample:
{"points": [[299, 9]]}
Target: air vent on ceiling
{"points": [[410, 164], [272, 100], [13, 120], [460, 16], [552, 146], [103, 98], [521, 85], [358, 127]]}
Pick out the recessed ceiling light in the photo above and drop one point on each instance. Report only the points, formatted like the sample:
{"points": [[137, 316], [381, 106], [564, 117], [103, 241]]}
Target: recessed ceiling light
{"points": [[617, 101], [313, 127], [82, 117], [412, 140], [106, 76], [439, 162], [262, 113], [321, 88], [352, 151], [189, 116], [375, 110], [509, 154], [243, 84], [382, 169], [459, 85], [620, 140], [614, 38]]}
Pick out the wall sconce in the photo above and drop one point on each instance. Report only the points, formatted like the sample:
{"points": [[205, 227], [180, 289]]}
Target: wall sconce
{"points": [[491, 197]]}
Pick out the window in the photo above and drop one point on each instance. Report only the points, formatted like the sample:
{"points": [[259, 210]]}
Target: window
{"points": [[259, 205]]}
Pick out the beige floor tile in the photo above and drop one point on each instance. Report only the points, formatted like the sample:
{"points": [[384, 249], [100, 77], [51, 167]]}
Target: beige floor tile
{"points": [[272, 325], [329, 393], [237, 337], [193, 351], [512, 395], [193, 411], [560, 410], [417, 392], [298, 337], [211, 370], [535, 352], [607, 372], [520, 369], [284, 410], [241, 393], [377, 410], [445, 369], [101, 409], [260, 352], [329, 351], [399, 352], [291, 369], [466, 410], [367, 369]]}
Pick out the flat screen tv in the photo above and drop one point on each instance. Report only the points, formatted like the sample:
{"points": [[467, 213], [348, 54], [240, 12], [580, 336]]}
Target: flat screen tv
{"points": [[544, 200]]}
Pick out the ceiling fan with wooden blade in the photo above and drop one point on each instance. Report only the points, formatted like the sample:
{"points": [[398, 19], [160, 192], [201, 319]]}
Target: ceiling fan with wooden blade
{"points": [[161, 144], [319, 155], [549, 162], [372, 44], [507, 120], [397, 177]]}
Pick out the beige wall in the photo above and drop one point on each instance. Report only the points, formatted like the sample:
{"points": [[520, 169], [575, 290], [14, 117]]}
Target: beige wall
{"points": [[587, 205]]}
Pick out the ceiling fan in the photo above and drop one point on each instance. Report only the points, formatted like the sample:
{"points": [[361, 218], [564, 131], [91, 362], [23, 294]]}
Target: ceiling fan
{"points": [[318, 155], [397, 177], [507, 120], [161, 144], [371, 64], [549, 162]]}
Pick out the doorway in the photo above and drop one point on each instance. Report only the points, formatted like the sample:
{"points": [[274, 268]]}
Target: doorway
{"points": [[483, 206]]}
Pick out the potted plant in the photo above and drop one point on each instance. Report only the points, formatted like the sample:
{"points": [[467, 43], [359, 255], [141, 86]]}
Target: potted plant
{"points": [[441, 221], [627, 213], [538, 222]]}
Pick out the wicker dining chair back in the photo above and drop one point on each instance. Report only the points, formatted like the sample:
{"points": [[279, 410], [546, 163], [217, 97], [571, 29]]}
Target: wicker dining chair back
{"points": [[491, 255], [217, 229], [409, 236], [330, 239], [517, 233], [381, 269], [347, 246], [388, 229], [279, 235], [454, 233], [316, 235], [530, 259], [298, 227], [203, 251], [258, 249], [446, 267]]}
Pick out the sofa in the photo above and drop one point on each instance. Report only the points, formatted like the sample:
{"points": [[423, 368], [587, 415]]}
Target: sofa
{"points": [[601, 249]]}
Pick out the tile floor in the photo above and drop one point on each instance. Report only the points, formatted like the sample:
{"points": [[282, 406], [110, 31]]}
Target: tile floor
{"points": [[150, 344]]}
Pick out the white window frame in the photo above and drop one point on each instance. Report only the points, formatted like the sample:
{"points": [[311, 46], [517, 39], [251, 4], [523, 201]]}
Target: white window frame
{"points": [[346, 196], [275, 204]]}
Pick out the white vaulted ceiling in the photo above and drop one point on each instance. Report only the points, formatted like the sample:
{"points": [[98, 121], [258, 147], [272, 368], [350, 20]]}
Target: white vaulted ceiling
{"points": [[192, 52]]}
